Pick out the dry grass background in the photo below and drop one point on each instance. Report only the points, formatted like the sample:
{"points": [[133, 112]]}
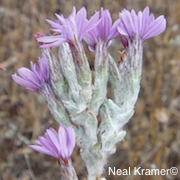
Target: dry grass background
{"points": [[153, 134]]}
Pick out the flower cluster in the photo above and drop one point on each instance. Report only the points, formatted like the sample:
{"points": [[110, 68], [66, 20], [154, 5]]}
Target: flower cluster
{"points": [[104, 31], [78, 27], [69, 29], [59, 145], [143, 25], [35, 78]]}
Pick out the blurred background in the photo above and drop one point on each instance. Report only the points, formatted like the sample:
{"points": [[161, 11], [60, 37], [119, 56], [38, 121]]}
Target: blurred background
{"points": [[153, 134]]}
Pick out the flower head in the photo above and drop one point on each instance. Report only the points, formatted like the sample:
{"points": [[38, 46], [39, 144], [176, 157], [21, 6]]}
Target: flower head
{"points": [[33, 79], [59, 145], [69, 29], [104, 31], [142, 25]]}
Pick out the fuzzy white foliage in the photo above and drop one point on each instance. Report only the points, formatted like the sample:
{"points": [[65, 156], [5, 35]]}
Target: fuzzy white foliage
{"points": [[79, 102]]}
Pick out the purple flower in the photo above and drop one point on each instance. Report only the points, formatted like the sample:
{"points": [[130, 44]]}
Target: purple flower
{"points": [[35, 78], [69, 29], [59, 145], [104, 31], [142, 25]]}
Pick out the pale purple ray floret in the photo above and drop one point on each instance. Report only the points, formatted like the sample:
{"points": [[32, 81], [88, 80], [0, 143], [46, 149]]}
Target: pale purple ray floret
{"points": [[143, 25], [35, 78], [104, 31], [56, 144], [69, 29]]}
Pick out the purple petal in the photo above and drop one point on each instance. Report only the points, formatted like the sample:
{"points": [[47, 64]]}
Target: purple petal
{"points": [[41, 150], [44, 68], [53, 24], [61, 19], [49, 39], [106, 23], [122, 31], [73, 14], [28, 75], [54, 138], [70, 140], [54, 44], [63, 142], [81, 20], [156, 27], [47, 143], [25, 83], [145, 15]]}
